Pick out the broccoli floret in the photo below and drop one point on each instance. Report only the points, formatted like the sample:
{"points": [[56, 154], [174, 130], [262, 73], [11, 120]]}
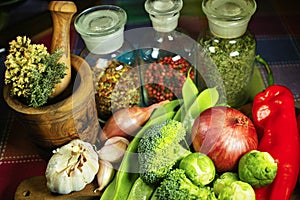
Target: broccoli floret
{"points": [[178, 187], [160, 149]]}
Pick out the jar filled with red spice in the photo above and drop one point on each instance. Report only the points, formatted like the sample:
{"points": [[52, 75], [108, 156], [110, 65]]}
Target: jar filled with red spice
{"points": [[166, 56]]}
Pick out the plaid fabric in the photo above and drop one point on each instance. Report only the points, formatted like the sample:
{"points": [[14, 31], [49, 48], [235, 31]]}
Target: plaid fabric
{"points": [[275, 25]]}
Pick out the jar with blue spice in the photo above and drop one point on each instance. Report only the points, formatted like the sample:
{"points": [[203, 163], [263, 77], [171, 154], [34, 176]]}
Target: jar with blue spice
{"points": [[230, 46]]}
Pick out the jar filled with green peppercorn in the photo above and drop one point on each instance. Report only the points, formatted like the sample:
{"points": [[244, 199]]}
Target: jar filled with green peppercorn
{"points": [[230, 46]]}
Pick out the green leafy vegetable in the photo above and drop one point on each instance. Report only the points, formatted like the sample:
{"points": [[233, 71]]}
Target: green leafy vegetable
{"points": [[160, 149], [176, 186], [206, 99], [224, 180], [257, 168], [199, 168], [237, 190], [189, 92]]}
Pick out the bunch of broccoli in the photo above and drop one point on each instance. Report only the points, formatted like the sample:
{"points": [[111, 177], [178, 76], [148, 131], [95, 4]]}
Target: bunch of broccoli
{"points": [[177, 186], [160, 149], [160, 153]]}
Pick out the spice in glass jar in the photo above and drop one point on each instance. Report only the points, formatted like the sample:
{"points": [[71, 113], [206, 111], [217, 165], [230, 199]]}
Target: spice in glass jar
{"points": [[230, 46], [163, 80], [117, 87], [234, 60]]}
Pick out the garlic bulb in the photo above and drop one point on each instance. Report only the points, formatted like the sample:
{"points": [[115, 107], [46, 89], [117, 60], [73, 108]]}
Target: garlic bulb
{"points": [[72, 167]]}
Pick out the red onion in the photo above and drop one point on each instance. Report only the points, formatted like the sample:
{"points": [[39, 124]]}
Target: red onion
{"points": [[224, 134], [127, 121]]}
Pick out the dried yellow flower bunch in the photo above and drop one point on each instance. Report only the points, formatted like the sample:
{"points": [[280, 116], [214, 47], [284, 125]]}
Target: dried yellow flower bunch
{"points": [[32, 71]]}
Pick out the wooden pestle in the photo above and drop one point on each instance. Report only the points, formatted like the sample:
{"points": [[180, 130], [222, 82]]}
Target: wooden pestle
{"points": [[62, 13]]}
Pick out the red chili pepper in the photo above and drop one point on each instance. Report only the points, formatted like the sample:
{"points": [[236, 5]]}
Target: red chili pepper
{"points": [[298, 123], [274, 117]]}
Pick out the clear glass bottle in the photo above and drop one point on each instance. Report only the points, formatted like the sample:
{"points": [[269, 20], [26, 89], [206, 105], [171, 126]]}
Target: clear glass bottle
{"points": [[166, 55], [230, 46], [110, 57]]}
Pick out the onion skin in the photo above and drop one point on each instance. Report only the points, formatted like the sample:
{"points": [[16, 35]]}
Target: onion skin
{"points": [[127, 121], [224, 134]]}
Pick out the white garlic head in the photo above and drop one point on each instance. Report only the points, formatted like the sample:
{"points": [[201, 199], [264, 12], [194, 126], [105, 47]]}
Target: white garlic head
{"points": [[72, 167]]}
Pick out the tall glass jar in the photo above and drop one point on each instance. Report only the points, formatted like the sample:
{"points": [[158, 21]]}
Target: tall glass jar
{"points": [[110, 57], [230, 46], [166, 55]]}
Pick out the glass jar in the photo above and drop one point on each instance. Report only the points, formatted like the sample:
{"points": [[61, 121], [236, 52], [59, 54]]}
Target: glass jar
{"points": [[102, 30], [166, 56], [230, 46], [110, 57]]}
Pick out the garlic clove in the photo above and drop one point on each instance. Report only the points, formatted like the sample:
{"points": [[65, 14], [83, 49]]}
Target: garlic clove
{"points": [[63, 186], [77, 181], [113, 151], [116, 139], [105, 174]]}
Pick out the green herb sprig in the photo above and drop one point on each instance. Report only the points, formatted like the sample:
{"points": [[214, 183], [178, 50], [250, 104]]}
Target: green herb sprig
{"points": [[32, 71]]}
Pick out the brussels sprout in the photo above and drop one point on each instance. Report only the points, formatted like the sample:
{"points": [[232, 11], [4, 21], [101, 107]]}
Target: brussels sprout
{"points": [[224, 180], [199, 168], [257, 168], [237, 190]]}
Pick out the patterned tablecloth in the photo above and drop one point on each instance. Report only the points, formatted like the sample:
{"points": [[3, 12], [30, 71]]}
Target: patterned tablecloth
{"points": [[275, 25]]}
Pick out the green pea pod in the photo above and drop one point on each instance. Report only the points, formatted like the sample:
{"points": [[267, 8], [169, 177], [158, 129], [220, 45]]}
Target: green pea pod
{"points": [[172, 105], [127, 173], [109, 190], [206, 99], [189, 92], [140, 190], [153, 197], [178, 114]]}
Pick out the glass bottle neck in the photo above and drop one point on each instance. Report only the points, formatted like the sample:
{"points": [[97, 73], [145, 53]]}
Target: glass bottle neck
{"points": [[162, 37], [165, 24]]}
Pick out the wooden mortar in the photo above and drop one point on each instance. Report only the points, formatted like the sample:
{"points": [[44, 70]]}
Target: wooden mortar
{"points": [[73, 113]]}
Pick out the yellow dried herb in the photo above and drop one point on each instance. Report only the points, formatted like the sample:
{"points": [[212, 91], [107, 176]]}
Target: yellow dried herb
{"points": [[32, 71]]}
